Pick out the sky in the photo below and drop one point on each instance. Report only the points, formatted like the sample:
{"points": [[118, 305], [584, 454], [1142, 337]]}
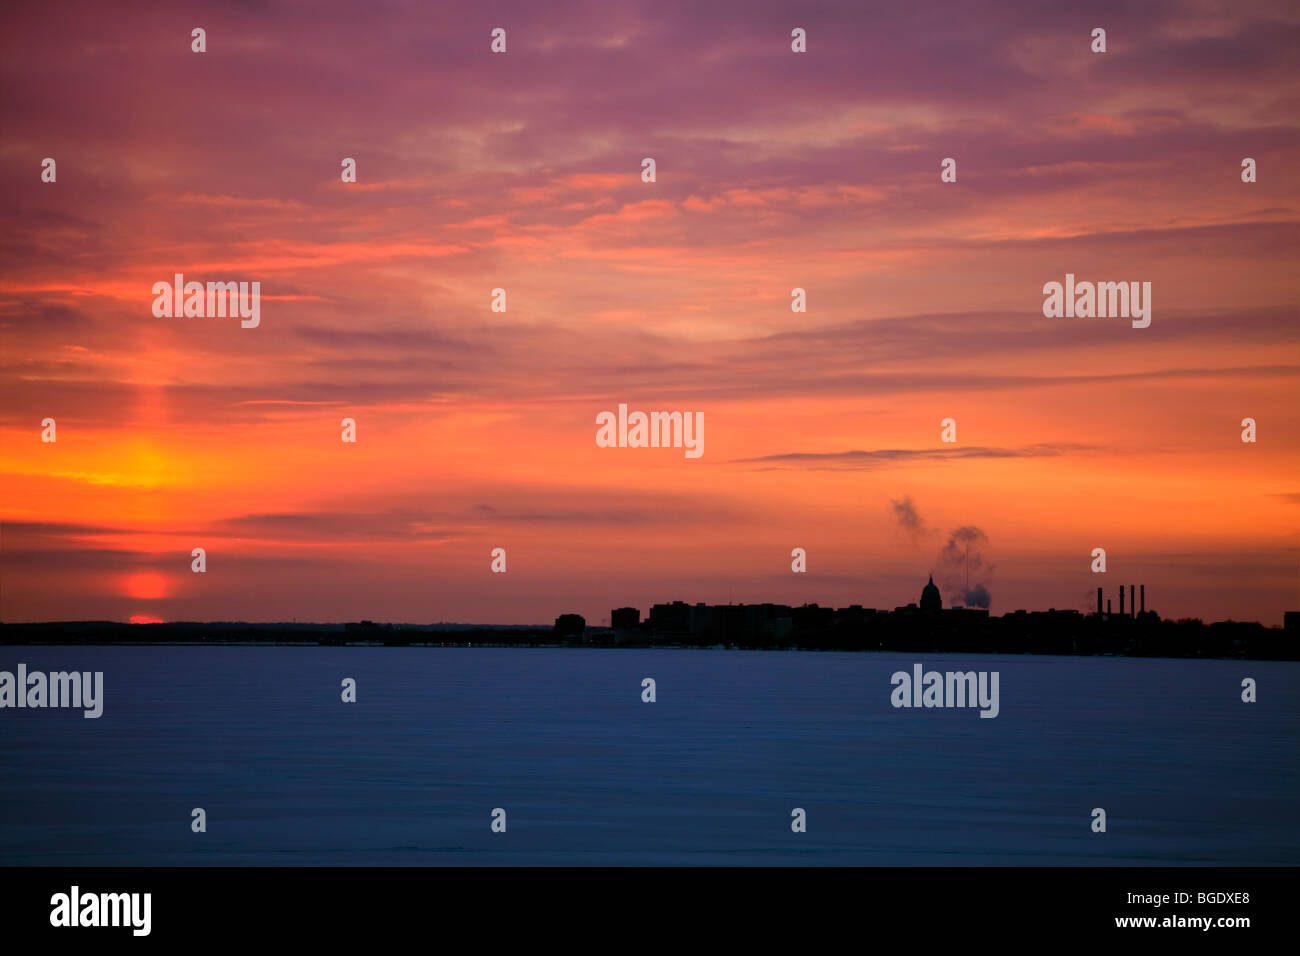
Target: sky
{"points": [[775, 170]]}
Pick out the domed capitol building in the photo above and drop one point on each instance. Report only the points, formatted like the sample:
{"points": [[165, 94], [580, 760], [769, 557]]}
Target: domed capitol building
{"points": [[930, 600]]}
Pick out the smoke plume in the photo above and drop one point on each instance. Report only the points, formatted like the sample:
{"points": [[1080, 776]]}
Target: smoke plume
{"points": [[963, 559], [908, 518]]}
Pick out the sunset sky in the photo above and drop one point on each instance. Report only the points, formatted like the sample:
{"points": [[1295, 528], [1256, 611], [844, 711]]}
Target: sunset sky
{"points": [[775, 170]]}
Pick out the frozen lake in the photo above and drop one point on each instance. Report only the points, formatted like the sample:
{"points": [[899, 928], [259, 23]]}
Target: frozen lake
{"points": [[589, 774]]}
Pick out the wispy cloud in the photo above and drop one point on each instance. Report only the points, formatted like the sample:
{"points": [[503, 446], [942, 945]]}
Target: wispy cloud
{"points": [[883, 457]]}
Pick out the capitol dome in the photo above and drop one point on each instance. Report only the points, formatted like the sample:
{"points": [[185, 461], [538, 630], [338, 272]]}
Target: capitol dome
{"points": [[930, 600]]}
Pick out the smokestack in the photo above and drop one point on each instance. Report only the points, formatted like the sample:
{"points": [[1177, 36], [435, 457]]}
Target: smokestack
{"points": [[1121, 600], [1143, 592], [1132, 604], [1099, 602]]}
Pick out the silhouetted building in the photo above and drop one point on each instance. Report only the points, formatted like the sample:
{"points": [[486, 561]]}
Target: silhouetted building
{"points": [[930, 600], [570, 626], [671, 619], [625, 617], [626, 624]]}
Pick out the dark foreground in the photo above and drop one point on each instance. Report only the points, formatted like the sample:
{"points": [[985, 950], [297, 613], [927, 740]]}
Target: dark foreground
{"points": [[745, 627]]}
